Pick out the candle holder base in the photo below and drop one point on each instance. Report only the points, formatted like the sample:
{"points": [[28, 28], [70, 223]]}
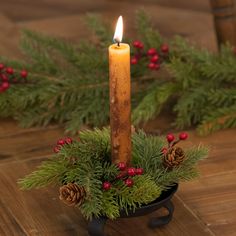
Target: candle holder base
{"points": [[96, 225]]}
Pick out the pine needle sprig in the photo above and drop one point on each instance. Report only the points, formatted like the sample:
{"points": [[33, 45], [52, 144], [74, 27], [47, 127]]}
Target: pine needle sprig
{"points": [[62, 87], [152, 103], [220, 118], [150, 37], [87, 163], [50, 172]]}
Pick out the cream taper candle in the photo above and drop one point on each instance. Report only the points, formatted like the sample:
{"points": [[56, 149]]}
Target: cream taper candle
{"points": [[120, 103]]}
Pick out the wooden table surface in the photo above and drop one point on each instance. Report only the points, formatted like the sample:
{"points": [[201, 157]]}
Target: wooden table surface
{"points": [[206, 206]]}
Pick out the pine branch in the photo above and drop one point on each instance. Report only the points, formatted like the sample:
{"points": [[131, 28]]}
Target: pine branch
{"points": [[63, 88], [146, 151], [221, 118], [66, 49], [187, 52], [152, 103], [167, 178], [102, 31], [150, 37], [185, 74], [144, 191], [190, 107], [87, 163], [50, 172]]}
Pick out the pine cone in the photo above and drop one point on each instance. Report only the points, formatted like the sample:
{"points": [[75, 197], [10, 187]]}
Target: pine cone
{"points": [[174, 157], [72, 194]]}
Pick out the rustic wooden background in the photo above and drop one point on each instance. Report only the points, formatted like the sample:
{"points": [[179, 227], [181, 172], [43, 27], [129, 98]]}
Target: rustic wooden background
{"points": [[206, 206]]}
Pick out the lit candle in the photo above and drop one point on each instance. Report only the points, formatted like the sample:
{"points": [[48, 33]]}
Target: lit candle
{"points": [[120, 105]]}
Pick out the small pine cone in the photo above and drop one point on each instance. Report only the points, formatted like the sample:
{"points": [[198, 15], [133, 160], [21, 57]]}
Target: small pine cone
{"points": [[72, 194], [174, 157]]}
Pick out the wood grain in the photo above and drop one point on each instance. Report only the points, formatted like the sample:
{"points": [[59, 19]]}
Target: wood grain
{"points": [[206, 206], [39, 212], [224, 17]]}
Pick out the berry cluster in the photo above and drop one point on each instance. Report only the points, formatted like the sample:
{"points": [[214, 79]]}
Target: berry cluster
{"points": [[61, 142], [155, 56], [125, 175], [171, 140], [9, 76]]}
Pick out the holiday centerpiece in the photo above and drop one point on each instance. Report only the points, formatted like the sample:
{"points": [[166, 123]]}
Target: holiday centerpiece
{"points": [[118, 172], [89, 180]]}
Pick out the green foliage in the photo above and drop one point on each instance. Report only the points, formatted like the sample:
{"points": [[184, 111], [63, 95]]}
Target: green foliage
{"points": [[155, 99], [203, 89], [51, 171], [149, 36], [68, 83], [87, 162]]}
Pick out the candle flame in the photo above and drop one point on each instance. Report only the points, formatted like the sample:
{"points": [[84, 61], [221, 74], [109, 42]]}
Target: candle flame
{"points": [[119, 30]]}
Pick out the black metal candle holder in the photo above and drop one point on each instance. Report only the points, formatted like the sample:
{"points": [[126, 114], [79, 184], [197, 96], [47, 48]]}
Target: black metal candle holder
{"points": [[96, 225]]}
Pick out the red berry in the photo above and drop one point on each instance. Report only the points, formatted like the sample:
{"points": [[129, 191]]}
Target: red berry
{"points": [[133, 60], [106, 185], [23, 73], [129, 182], [121, 166], [57, 148], [155, 58], [9, 70], [1, 66], [234, 50], [68, 140], [4, 77], [157, 66], [1, 90], [61, 142], [152, 66], [183, 136], [151, 52], [5, 85], [170, 137], [138, 44], [138, 56], [141, 45], [165, 48], [131, 171], [164, 150], [121, 175], [139, 171]]}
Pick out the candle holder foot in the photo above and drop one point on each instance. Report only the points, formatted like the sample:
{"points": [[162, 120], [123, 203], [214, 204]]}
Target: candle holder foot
{"points": [[96, 225], [162, 220]]}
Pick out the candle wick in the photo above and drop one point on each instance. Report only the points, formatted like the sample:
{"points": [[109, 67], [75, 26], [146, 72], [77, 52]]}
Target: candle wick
{"points": [[118, 44]]}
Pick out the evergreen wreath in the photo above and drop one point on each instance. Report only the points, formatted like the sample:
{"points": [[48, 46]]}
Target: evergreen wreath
{"points": [[87, 179], [69, 83]]}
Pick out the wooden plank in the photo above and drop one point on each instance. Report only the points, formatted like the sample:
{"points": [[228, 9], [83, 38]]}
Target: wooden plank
{"points": [[39, 212], [25, 10], [9, 127], [8, 223], [200, 5], [28, 143], [184, 223], [212, 199], [222, 151], [167, 20], [9, 38]]}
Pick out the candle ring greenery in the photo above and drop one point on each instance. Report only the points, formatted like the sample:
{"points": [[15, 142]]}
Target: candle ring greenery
{"points": [[88, 179]]}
